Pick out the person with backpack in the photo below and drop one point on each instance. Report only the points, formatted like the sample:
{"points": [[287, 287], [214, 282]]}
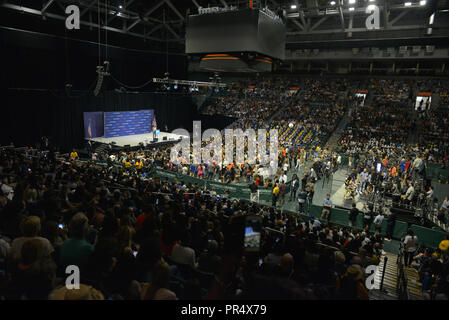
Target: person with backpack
{"points": [[302, 198], [410, 242], [353, 213]]}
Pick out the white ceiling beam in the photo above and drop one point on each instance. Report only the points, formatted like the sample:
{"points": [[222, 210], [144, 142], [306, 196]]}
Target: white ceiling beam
{"points": [[47, 5]]}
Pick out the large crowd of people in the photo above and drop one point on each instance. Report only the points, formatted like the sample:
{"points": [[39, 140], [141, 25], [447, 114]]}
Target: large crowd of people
{"points": [[142, 238], [135, 236], [252, 101]]}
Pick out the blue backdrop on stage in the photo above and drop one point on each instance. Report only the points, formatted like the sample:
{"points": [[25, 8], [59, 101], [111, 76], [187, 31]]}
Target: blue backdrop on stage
{"points": [[93, 124], [117, 124]]}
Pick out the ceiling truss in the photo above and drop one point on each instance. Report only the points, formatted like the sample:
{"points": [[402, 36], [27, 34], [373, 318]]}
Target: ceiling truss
{"points": [[165, 20]]}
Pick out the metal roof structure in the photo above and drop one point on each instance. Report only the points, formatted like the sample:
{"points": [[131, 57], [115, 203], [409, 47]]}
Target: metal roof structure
{"points": [[310, 23]]}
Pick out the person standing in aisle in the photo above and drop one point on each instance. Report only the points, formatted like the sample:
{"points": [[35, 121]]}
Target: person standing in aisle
{"points": [[275, 194], [410, 241]]}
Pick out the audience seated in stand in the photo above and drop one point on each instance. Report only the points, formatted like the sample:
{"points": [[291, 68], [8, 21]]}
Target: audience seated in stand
{"points": [[111, 270]]}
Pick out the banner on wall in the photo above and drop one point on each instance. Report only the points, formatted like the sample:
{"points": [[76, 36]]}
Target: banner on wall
{"points": [[117, 124], [93, 124]]}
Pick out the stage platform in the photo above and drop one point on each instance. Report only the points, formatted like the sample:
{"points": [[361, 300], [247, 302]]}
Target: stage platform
{"points": [[134, 140]]}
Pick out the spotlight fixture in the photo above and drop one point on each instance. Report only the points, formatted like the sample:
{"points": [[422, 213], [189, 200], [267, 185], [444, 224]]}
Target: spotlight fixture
{"points": [[120, 7], [293, 6], [422, 2], [332, 3], [407, 4], [351, 9], [351, 1]]}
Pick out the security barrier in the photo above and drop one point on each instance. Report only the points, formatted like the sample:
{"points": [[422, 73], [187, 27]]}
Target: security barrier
{"points": [[235, 191], [428, 237], [436, 171]]}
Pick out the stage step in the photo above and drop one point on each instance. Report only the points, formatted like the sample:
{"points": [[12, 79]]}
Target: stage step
{"points": [[101, 148]]}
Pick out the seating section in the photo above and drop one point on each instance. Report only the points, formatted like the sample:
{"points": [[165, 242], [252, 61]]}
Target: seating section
{"points": [[252, 101]]}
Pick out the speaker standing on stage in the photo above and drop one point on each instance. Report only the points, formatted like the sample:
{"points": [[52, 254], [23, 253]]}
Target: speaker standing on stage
{"points": [[154, 125]]}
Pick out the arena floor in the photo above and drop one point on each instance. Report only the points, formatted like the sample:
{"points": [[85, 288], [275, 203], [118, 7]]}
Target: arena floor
{"points": [[336, 188]]}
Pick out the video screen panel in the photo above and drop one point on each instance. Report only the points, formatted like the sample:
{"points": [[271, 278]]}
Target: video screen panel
{"points": [[93, 124], [246, 30]]}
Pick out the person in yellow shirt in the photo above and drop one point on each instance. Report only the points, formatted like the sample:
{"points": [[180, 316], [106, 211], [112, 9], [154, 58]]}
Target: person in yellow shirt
{"points": [[74, 155], [275, 194], [139, 165], [127, 164], [444, 245]]}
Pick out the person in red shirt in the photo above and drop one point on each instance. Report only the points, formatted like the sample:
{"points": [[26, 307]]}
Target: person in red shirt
{"points": [[407, 165], [149, 210]]}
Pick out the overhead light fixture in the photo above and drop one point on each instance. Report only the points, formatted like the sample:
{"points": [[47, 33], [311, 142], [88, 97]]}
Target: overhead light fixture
{"points": [[422, 2], [332, 3], [120, 7], [372, 0], [407, 4], [371, 7], [351, 1], [351, 9], [293, 6]]}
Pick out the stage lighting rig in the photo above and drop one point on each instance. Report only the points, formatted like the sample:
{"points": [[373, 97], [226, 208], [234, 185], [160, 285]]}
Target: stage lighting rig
{"points": [[194, 84]]}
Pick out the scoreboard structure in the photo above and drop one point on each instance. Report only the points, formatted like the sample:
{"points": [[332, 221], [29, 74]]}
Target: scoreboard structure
{"points": [[249, 32]]}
